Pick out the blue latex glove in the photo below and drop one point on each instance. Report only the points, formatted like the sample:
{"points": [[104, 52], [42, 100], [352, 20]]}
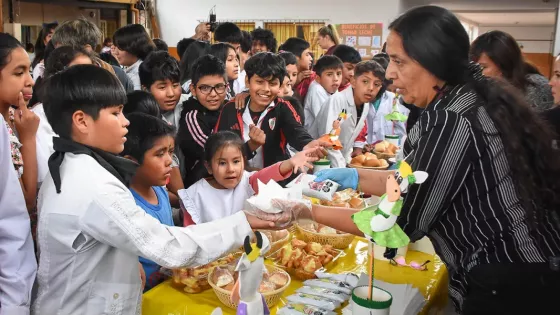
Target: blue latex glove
{"points": [[345, 177]]}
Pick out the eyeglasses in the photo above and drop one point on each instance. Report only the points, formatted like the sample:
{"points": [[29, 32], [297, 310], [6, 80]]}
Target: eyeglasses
{"points": [[207, 89], [400, 261]]}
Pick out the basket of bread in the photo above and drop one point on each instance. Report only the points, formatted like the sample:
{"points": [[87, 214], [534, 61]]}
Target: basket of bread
{"points": [[195, 280], [275, 281], [369, 160], [385, 149], [322, 234], [302, 258]]}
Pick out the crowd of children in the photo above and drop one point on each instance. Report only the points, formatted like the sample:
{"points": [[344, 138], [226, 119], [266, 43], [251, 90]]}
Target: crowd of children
{"points": [[108, 151]]}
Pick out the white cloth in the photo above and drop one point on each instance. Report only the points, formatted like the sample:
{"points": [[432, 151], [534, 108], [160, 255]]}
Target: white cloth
{"points": [[187, 87], [92, 232], [316, 97], [132, 73], [206, 204], [257, 161], [239, 83], [44, 142], [38, 71], [349, 129], [378, 126], [105, 49], [18, 266]]}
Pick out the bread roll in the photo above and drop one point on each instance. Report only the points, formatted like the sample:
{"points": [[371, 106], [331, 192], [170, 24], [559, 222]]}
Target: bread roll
{"points": [[383, 162], [370, 155], [372, 163], [380, 147], [358, 160]]}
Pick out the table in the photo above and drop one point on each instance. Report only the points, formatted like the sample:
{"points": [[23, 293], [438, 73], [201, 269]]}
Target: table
{"points": [[166, 300]]}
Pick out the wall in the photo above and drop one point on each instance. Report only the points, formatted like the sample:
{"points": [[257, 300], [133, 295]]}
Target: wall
{"points": [[178, 18], [484, 5], [37, 14]]}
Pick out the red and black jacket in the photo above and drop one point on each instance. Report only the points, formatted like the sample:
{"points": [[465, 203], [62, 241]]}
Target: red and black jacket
{"points": [[281, 124]]}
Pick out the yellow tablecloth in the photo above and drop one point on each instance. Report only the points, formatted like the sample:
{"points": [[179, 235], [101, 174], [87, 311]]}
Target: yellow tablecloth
{"points": [[166, 300]]}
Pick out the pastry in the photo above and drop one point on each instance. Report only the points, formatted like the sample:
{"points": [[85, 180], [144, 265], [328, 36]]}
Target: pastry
{"points": [[311, 263], [279, 279], [298, 243], [266, 286], [358, 160], [372, 163]]}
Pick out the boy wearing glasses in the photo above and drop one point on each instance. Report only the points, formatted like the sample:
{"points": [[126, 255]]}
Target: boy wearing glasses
{"points": [[200, 114]]}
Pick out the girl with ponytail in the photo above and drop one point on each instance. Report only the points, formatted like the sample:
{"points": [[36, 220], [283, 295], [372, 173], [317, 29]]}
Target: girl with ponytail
{"points": [[327, 38]]}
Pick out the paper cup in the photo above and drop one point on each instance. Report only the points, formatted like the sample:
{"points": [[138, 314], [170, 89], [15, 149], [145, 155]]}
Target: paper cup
{"points": [[394, 139], [321, 165], [380, 303]]}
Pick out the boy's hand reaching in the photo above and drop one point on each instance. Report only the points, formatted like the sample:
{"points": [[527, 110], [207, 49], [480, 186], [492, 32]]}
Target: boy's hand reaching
{"points": [[299, 162], [25, 121], [303, 75], [319, 148], [257, 137]]}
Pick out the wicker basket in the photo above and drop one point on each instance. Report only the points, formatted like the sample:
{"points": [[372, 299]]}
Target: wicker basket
{"points": [[382, 155], [338, 241], [272, 298]]}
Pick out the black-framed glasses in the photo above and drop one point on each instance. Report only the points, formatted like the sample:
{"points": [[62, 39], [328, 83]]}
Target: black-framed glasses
{"points": [[207, 89]]}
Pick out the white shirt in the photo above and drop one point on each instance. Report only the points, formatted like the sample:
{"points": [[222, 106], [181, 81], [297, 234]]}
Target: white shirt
{"points": [[315, 98], [349, 129], [187, 87], [17, 258], [206, 204], [239, 83], [44, 142], [378, 126], [257, 161], [132, 73], [38, 71], [91, 234]]}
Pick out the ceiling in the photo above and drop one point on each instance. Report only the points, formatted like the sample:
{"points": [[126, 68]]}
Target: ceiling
{"points": [[510, 18]]}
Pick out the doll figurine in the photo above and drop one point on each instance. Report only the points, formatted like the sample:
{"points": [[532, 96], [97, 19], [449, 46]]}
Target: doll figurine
{"points": [[332, 137], [251, 267], [379, 222]]}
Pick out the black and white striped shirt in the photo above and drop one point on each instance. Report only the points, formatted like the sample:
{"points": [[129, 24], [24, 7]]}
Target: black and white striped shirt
{"points": [[468, 206]]}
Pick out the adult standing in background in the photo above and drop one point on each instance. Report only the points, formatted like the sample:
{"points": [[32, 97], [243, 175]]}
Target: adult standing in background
{"points": [[44, 37], [18, 265], [133, 44], [500, 57], [327, 38]]}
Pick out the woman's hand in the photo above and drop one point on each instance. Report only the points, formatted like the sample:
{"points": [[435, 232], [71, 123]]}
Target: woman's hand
{"points": [[345, 177], [240, 100], [301, 160]]}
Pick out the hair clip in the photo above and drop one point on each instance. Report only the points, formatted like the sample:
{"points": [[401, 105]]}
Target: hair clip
{"points": [[400, 261]]}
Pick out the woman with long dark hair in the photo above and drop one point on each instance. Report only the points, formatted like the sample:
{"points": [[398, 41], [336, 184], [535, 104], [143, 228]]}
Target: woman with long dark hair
{"points": [[490, 203], [500, 56], [44, 37]]}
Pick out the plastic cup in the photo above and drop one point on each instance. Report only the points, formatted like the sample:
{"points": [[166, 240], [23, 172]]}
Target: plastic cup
{"points": [[321, 165], [380, 303]]}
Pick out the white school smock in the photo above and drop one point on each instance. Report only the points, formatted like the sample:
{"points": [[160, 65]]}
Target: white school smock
{"points": [[349, 129], [206, 204], [92, 233], [44, 142], [378, 126], [314, 100], [257, 161], [133, 75], [239, 83]]}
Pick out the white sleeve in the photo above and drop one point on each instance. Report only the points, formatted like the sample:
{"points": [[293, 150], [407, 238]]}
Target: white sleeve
{"points": [[18, 265], [114, 219], [327, 115]]}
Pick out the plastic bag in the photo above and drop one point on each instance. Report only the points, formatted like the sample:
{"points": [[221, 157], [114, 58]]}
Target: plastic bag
{"points": [[330, 284], [317, 301], [335, 295], [303, 309]]}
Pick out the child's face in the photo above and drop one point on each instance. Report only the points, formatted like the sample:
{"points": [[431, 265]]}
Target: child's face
{"points": [[166, 93], [286, 88], [347, 73], [210, 91], [155, 170], [124, 57], [292, 73], [263, 91], [227, 166], [305, 61], [330, 79], [366, 86], [232, 65], [107, 132], [15, 78], [258, 46]]}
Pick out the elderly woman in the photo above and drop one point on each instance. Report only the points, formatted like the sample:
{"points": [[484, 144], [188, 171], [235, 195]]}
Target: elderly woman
{"points": [[489, 203]]}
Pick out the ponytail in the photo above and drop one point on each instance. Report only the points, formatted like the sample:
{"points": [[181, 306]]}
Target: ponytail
{"points": [[330, 31]]}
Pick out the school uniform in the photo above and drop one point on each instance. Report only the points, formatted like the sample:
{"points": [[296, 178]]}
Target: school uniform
{"points": [[279, 121], [91, 233], [195, 126], [377, 125], [133, 75], [349, 129], [44, 142], [239, 84], [187, 88], [316, 97]]}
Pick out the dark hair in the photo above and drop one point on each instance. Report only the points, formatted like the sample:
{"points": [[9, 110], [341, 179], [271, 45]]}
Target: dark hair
{"points": [[144, 130], [265, 65], [29, 47], [371, 66], [504, 51], [219, 140], [192, 53], [382, 59], [141, 102], [265, 37], [245, 44], [135, 40], [208, 65], [295, 45], [221, 51], [109, 58], [327, 63], [289, 58], [182, 46], [60, 58], [347, 54], [228, 32], [436, 39], [159, 65], [160, 44], [87, 88], [40, 42], [330, 31], [107, 41], [7, 44]]}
